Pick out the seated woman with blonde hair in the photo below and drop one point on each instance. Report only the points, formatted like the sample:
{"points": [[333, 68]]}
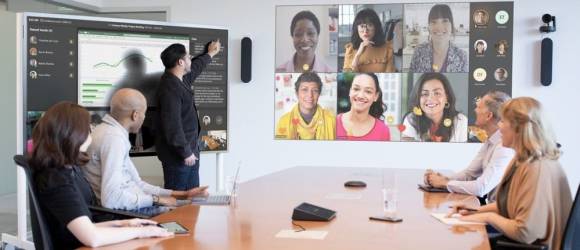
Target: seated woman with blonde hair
{"points": [[533, 199]]}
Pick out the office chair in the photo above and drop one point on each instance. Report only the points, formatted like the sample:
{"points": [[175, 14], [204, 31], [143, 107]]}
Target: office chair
{"points": [[504, 243], [389, 29], [573, 225], [40, 233], [390, 33]]}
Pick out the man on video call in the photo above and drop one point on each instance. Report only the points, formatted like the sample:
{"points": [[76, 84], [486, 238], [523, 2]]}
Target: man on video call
{"points": [[486, 170], [177, 121]]}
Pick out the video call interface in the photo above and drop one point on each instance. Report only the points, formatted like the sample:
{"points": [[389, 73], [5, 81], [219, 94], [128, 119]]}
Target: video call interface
{"points": [[86, 61], [389, 72]]}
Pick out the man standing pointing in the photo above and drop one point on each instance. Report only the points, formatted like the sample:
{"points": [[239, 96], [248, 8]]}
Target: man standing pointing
{"points": [[177, 121]]}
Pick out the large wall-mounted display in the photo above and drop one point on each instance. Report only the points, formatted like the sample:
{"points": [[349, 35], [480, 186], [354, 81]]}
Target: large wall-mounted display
{"points": [[389, 72], [85, 59]]}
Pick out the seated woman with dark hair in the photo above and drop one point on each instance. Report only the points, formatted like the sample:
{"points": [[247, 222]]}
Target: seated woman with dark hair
{"points": [[433, 116], [368, 51], [61, 138], [533, 198]]}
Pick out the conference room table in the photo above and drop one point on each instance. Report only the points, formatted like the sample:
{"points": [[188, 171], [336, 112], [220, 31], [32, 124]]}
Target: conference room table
{"points": [[263, 207]]}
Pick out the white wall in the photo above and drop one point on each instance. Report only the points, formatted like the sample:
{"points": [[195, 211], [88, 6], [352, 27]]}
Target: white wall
{"points": [[251, 110], [7, 101]]}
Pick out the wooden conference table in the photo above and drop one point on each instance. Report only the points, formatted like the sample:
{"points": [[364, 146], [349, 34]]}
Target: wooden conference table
{"points": [[264, 206]]}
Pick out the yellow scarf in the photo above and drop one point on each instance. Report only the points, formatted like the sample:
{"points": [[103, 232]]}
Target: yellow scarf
{"points": [[292, 126]]}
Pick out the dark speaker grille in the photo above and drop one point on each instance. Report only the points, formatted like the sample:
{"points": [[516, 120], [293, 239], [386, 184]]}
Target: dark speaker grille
{"points": [[546, 71], [246, 70]]}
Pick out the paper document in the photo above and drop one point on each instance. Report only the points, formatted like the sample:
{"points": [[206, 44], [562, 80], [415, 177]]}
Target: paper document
{"points": [[454, 220], [308, 234]]}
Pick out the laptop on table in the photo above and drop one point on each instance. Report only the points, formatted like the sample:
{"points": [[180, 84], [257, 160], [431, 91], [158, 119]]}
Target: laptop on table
{"points": [[218, 200]]}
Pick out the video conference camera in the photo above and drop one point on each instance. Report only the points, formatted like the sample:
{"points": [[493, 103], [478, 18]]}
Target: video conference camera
{"points": [[547, 28]]}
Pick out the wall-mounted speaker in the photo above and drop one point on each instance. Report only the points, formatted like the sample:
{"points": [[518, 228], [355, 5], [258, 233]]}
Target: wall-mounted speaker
{"points": [[546, 62], [246, 65]]}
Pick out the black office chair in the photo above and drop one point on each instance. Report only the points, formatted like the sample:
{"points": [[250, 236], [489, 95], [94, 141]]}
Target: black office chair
{"points": [[40, 232], [504, 243], [573, 226]]}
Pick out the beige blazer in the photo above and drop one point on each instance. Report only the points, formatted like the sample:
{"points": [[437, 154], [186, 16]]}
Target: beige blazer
{"points": [[538, 202]]}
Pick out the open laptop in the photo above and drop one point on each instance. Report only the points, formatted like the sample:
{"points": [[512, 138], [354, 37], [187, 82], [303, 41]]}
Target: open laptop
{"points": [[219, 200], [148, 212]]}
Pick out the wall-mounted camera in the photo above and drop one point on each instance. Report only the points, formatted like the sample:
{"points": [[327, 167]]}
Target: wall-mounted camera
{"points": [[547, 19]]}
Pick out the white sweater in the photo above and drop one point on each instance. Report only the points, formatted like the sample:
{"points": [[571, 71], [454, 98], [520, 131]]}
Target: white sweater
{"points": [[459, 129], [111, 173]]}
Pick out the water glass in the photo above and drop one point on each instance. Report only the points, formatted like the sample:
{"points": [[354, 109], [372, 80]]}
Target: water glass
{"points": [[389, 201]]}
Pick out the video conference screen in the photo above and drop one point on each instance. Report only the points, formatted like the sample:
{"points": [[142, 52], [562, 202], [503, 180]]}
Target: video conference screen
{"points": [[85, 60], [389, 72]]}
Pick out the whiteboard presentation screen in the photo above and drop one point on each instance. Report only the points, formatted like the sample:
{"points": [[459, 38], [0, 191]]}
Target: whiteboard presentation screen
{"points": [[85, 60]]}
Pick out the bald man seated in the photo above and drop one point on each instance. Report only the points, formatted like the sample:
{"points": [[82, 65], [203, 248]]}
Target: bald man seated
{"points": [[110, 171]]}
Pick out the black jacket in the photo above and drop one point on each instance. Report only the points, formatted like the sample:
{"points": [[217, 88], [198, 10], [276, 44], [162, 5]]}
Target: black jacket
{"points": [[177, 122]]}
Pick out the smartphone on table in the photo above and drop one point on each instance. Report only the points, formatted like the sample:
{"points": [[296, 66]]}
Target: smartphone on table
{"points": [[174, 227], [386, 218]]}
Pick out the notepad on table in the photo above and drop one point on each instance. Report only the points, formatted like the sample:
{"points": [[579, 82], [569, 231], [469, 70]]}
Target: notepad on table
{"points": [[453, 220]]}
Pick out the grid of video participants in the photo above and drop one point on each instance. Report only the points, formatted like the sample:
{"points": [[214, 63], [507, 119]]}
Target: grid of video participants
{"points": [[389, 72]]}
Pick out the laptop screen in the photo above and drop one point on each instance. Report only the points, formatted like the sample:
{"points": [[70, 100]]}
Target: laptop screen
{"points": [[235, 180]]}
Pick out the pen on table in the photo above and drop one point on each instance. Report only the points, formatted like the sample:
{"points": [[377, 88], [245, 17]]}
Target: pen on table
{"points": [[467, 208]]}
